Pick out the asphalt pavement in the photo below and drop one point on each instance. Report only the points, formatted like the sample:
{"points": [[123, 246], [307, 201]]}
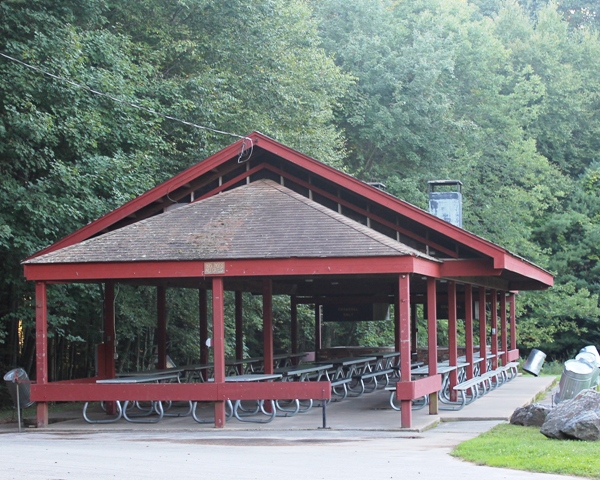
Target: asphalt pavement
{"points": [[363, 441]]}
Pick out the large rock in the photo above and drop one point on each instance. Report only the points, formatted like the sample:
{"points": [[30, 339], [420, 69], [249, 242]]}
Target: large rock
{"points": [[532, 415], [578, 418]]}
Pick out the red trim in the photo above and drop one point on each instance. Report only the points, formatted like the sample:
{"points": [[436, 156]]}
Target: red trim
{"points": [[418, 388], [513, 355], [469, 268], [532, 272], [90, 392], [502, 259], [233, 268]]}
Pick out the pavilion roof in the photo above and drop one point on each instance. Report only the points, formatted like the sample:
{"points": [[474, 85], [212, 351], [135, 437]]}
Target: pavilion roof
{"points": [[262, 219]]}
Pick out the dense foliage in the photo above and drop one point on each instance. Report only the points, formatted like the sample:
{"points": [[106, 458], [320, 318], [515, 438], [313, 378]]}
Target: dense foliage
{"points": [[502, 95]]}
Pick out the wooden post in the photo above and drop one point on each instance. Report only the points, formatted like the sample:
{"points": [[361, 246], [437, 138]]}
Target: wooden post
{"points": [[469, 330], [203, 326], [41, 348], [219, 344], [413, 328], [432, 339], [452, 334], [403, 327], [110, 334], [397, 326], [482, 330], [503, 327], [161, 330], [513, 321], [268, 325], [494, 320], [318, 340], [294, 325], [239, 327]]}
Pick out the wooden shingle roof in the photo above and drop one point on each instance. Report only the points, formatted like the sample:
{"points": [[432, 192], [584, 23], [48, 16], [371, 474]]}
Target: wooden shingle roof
{"points": [[262, 219]]}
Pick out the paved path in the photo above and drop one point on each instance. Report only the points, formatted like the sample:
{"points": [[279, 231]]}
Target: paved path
{"points": [[247, 455], [364, 443]]}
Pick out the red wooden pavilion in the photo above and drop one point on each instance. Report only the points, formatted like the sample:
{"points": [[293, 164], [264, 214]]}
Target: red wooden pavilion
{"points": [[260, 217]]}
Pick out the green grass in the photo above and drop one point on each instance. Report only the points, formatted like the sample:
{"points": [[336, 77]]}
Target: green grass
{"points": [[525, 448]]}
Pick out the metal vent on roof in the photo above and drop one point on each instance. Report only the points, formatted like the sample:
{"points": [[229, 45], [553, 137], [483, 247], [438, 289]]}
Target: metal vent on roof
{"points": [[445, 200]]}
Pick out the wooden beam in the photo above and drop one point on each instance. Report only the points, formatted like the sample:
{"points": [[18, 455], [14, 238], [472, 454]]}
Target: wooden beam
{"points": [[239, 326], [219, 344], [41, 348], [452, 337], [232, 268], [482, 329], [161, 330], [469, 330], [268, 326], [403, 326], [432, 340]]}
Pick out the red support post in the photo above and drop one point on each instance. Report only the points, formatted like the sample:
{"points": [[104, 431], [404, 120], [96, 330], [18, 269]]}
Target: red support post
{"points": [[452, 335], [513, 321], [318, 339], [294, 325], [161, 330], [203, 324], [432, 339], [494, 320], [482, 330], [503, 328], [403, 327], [41, 348], [110, 335], [268, 325], [397, 326], [469, 330], [239, 326], [109, 329], [219, 344]]}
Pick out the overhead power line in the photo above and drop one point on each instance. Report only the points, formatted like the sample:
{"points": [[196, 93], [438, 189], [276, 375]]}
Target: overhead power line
{"points": [[243, 155]]}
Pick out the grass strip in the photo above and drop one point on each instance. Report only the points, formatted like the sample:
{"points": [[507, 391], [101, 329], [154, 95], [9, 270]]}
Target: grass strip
{"points": [[525, 448]]}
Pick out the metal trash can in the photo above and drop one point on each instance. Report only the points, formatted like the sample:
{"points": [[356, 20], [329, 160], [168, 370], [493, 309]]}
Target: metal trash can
{"points": [[534, 362], [589, 358], [576, 376], [18, 379]]}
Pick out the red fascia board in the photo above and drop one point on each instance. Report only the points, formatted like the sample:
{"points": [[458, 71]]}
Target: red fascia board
{"points": [[232, 268], [93, 392], [532, 272], [418, 388], [469, 268], [145, 199]]}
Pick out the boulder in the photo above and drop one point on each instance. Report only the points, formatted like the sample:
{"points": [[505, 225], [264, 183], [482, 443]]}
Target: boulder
{"points": [[578, 418], [532, 415]]}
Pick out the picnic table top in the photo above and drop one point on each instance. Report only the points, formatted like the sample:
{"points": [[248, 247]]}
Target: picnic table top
{"points": [[302, 368], [348, 360], [424, 370], [140, 378]]}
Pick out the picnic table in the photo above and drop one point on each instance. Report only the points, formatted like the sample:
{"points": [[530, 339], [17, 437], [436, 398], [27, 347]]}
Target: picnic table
{"points": [[155, 406], [384, 360]]}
